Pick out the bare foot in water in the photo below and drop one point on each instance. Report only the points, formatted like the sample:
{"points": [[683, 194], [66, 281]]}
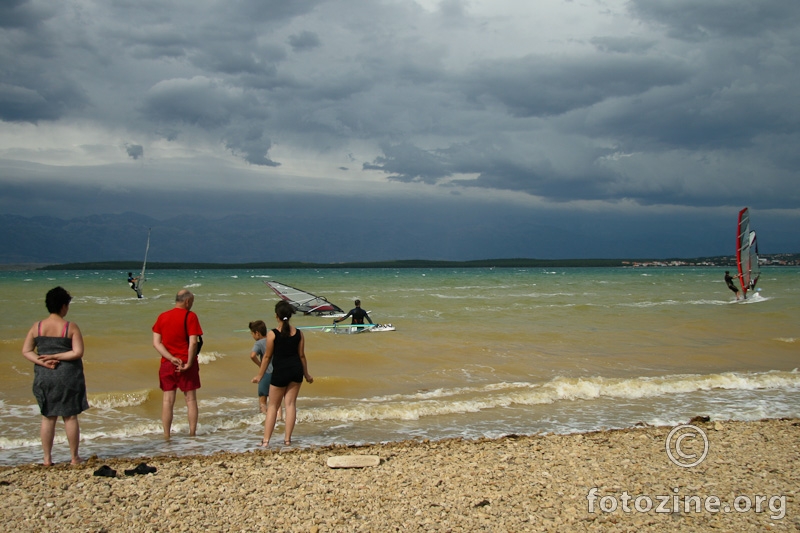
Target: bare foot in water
{"points": [[77, 461]]}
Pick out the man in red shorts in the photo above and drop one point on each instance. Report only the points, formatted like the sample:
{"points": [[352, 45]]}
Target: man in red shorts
{"points": [[175, 337]]}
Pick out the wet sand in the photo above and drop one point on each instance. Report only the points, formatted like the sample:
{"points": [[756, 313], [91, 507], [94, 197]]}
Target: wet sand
{"points": [[536, 483]]}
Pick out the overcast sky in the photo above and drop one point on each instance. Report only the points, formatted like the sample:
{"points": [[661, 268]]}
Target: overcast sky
{"points": [[627, 113]]}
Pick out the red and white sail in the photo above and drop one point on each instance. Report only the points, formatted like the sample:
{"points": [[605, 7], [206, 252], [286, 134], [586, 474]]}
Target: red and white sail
{"points": [[746, 252]]}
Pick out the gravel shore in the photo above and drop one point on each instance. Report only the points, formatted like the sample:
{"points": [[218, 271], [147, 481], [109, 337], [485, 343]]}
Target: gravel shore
{"points": [[601, 481]]}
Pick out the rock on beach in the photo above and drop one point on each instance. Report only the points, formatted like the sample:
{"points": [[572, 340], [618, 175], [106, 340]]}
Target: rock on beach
{"points": [[533, 483]]}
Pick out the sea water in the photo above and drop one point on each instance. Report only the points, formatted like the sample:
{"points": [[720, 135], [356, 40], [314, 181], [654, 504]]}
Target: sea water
{"points": [[477, 352]]}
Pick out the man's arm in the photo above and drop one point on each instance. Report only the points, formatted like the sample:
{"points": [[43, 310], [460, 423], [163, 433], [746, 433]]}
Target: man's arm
{"points": [[192, 353], [162, 350], [335, 320]]}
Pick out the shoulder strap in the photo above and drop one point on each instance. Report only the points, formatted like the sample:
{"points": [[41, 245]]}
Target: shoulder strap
{"points": [[66, 329], [185, 324], [39, 332]]}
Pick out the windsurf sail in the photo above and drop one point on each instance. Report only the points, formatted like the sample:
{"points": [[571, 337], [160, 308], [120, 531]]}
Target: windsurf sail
{"points": [[746, 253], [304, 302], [141, 278]]}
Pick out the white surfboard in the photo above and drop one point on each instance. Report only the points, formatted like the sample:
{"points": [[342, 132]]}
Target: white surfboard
{"points": [[348, 329]]}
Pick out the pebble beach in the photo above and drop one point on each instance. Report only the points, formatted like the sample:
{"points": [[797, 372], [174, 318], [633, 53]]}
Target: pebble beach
{"points": [[615, 480]]}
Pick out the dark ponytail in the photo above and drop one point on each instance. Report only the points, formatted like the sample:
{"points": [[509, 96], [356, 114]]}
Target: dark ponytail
{"points": [[284, 311]]}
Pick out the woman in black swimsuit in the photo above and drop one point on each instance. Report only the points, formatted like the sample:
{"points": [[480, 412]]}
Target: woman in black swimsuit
{"points": [[286, 351], [55, 346]]}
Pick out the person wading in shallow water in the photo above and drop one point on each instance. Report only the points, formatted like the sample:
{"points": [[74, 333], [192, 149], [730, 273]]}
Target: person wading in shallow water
{"points": [[55, 346], [357, 313], [286, 352], [175, 336]]}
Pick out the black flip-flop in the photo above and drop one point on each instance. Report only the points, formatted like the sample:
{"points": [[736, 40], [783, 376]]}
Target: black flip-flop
{"points": [[105, 471], [141, 469]]}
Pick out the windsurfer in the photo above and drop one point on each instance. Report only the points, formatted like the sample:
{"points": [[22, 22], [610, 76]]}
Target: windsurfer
{"points": [[132, 281], [357, 313], [729, 282]]}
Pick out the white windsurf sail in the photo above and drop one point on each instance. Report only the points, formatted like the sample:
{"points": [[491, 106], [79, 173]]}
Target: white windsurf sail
{"points": [[305, 302], [141, 278], [746, 253]]}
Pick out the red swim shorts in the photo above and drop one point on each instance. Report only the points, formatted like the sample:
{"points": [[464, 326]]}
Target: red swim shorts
{"points": [[170, 379]]}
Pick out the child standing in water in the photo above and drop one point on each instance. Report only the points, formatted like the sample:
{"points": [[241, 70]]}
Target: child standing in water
{"points": [[285, 352], [258, 329]]}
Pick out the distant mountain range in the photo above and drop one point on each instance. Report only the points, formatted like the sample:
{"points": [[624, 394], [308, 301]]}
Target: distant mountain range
{"points": [[361, 238], [273, 236]]}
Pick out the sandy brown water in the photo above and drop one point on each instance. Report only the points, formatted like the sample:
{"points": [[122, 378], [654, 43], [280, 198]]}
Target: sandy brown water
{"points": [[477, 352]]}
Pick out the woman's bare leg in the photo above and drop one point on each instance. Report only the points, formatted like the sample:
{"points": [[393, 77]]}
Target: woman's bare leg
{"points": [[47, 433], [273, 404], [73, 430], [290, 402]]}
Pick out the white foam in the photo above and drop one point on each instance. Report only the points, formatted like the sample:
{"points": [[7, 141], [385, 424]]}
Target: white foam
{"points": [[473, 399], [206, 358], [115, 400]]}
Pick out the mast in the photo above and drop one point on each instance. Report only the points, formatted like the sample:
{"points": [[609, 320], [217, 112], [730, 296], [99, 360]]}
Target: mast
{"points": [[144, 266]]}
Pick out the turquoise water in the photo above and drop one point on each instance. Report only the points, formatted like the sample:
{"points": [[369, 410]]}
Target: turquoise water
{"points": [[476, 352]]}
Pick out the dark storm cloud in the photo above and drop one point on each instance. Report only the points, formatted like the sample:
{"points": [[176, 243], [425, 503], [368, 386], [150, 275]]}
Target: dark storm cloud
{"points": [[735, 19], [250, 143], [21, 14], [32, 86], [305, 40], [540, 86], [135, 151], [199, 101], [643, 103], [408, 163], [706, 111]]}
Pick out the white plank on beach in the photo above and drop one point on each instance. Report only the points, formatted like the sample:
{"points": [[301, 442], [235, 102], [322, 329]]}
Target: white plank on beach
{"points": [[353, 461]]}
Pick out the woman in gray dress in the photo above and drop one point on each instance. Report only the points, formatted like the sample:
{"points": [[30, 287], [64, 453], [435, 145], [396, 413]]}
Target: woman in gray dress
{"points": [[55, 346]]}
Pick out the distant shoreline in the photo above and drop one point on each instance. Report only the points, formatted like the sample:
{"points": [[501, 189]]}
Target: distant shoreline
{"points": [[14, 267], [721, 261]]}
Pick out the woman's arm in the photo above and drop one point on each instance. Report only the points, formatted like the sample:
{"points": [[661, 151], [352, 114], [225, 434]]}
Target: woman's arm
{"points": [[29, 351], [75, 353], [77, 345], [301, 351]]}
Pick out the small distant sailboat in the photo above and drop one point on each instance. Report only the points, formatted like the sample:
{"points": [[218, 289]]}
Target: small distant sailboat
{"points": [[141, 278], [747, 253]]}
